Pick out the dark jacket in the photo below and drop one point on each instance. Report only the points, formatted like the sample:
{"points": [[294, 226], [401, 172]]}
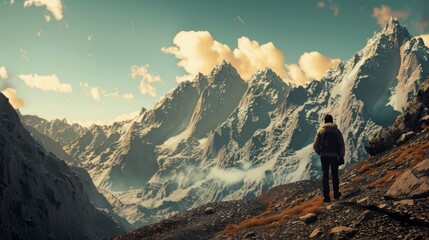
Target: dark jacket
{"points": [[318, 141]]}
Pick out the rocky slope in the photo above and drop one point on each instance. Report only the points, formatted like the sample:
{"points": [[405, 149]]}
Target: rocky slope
{"points": [[385, 196], [40, 196]]}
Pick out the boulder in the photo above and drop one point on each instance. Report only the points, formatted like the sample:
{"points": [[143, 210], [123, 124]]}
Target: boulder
{"points": [[413, 183], [404, 137], [341, 233], [209, 210], [308, 218]]}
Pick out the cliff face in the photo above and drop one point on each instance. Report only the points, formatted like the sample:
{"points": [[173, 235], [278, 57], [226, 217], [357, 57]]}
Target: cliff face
{"points": [[414, 118], [40, 196]]}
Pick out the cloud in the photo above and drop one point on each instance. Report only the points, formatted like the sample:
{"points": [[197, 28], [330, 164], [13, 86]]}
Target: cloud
{"points": [[55, 7], [97, 93], [46, 83], [296, 75], [3, 73], [311, 65], [128, 96], [239, 19], [186, 77], [147, 79], [425, 38], [14, 100], [384, 13], [47, 18], [24, 54], [335, 8], [120, 118], [199, 52], [315, 65]]}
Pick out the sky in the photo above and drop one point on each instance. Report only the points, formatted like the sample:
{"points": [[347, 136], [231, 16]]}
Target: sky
{"points": [[95, 61]]}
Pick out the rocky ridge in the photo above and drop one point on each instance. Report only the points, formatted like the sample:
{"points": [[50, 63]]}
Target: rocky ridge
{"points": [[42, 197]]}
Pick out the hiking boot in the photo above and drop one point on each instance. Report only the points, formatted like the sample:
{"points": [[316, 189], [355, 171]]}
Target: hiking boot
{"points": [[326, 200], [337, 196]]}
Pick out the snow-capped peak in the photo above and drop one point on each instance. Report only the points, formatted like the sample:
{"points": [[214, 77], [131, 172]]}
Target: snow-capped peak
{"points": [[396, 32]]}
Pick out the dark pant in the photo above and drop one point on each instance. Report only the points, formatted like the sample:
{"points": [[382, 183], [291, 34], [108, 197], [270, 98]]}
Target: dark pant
{"points": [[333, 163]]}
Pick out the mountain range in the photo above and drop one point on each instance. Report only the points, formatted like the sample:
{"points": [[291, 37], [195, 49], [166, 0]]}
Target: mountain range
{"points": [[384, 196], [219, 137]]}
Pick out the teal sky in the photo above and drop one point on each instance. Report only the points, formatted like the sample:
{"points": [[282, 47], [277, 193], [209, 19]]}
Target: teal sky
{"points": [[97, 41]]}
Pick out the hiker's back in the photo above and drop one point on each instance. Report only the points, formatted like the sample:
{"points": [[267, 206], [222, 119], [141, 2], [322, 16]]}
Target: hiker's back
{"points": [[330, 141]]}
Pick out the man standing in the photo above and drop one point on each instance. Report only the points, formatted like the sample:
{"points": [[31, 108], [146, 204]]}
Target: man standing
{"points": [[329, 144]]}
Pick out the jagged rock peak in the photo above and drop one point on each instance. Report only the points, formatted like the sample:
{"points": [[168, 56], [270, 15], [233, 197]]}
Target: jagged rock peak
{"points": [[223, 72], [199, 77], [143, 110], [266, 74], [396, 31]]}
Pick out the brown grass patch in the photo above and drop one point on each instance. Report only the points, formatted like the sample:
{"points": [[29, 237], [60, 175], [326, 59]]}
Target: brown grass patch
{"points": [[364, 168], [357, 179], [311, 206], [414, 154], [388, 177]]}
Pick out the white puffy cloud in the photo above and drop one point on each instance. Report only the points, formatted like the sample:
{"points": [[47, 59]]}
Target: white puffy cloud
{"points": [[3, 73], [147, 79], [384, 13], [55, 7], [46, 83], [296, 75], [199, 52], [315, 65], [311, 65], [14, 100], [97, 93], [425, 38]]}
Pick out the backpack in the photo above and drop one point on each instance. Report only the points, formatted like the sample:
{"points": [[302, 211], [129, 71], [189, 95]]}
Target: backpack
{"points": [[330, 142]]}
